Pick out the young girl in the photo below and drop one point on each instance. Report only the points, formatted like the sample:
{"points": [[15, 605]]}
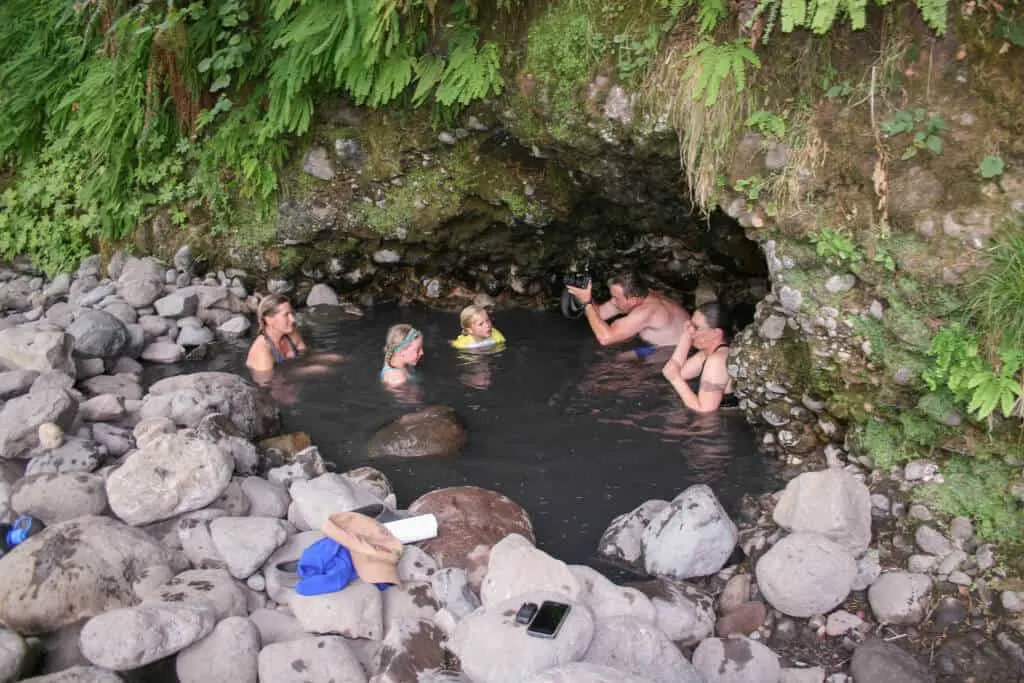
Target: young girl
{"points": [[403, 349], [477, 331]]}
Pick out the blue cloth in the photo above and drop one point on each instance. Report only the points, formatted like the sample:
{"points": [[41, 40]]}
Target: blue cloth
{"points": [[644, 350], [324, 567]]}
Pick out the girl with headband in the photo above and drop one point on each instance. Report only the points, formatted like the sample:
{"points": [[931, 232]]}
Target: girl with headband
{"points": [[403, 348]]}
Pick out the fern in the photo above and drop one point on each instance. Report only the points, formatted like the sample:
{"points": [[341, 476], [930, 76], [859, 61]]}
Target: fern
{"points": [[934, 13], [794, 14], [712, 64]]}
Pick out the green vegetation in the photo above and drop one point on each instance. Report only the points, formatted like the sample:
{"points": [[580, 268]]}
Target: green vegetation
{"points": [[979, 488], [926, 130], [991, 167], [835, 247], [112, 111]]}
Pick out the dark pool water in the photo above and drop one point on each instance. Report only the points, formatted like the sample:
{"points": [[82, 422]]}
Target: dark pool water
{"points": [[575, 433]]}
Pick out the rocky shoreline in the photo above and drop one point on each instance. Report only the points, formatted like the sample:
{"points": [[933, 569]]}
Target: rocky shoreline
{"points": [[170, 512]]}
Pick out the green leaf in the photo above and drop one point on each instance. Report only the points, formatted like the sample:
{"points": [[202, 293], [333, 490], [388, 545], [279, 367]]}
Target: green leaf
{"points": [[222, 82], [934, 144], [991, 167]]}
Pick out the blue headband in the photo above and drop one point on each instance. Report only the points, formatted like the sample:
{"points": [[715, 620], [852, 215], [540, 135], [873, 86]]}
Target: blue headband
{"points": [[413, 333]]}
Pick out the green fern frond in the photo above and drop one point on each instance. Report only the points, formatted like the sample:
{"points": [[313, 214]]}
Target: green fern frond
{"points": [[794, 14], [934, 13]]}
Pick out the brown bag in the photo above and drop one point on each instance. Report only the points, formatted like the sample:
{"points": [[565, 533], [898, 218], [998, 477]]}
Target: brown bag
{"points": [[375, 550]]}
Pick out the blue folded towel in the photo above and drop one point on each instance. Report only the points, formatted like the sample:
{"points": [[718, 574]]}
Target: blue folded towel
{"points": [[325, 567]]}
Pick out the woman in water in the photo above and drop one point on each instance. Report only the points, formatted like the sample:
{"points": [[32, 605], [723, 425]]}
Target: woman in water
{"points": [[403, 349], [705, 333], [278, 339]]}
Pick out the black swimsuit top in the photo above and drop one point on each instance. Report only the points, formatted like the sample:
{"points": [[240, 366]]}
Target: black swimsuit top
{"points": [[276, 352], [729, 400]]}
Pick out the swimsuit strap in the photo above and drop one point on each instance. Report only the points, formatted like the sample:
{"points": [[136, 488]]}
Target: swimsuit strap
{"points": [[276, 352], [708, 355]]}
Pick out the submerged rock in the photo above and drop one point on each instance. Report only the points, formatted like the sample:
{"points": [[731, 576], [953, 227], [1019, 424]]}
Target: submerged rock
{"points": [[434, 430]]}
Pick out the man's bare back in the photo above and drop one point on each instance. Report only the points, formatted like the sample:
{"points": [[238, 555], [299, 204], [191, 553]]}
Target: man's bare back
{"points": [[666, 320]]}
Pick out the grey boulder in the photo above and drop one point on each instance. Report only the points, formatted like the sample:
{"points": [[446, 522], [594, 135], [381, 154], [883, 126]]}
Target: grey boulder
{"points": [[169, 475], [693, 536], [98, 333], [128, 638], [74, 570]]}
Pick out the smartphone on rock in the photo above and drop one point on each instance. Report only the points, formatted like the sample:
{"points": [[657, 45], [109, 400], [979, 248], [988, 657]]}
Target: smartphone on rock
{"points": [[548, 619]]}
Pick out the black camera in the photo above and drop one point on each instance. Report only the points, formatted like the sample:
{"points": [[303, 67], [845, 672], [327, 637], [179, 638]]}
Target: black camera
{"points": [[580, 280]]}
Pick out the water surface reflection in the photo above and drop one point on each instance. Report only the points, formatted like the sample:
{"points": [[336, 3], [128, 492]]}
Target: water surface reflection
{"points": [[575, 433]]}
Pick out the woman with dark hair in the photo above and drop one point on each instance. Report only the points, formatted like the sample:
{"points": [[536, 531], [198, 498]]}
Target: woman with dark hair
{"points": [[278, 339], [705, 333]]}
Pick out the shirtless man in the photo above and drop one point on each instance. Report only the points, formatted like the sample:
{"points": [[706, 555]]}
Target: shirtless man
{"points": [[657, 320]]}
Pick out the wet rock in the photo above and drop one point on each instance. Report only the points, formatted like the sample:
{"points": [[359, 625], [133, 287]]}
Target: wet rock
{"points": [[102, 408], [974, 656], [73, 570], [169, 475], [743, 620], [132, 637], [141, 282], [604, 599], [371, 479], [831, 503], [636, 647], [411, 647], [74, 455], [317, 499], [931, 541], [276, 626], [735, 593], [516, 566], [187, 399], [16, 382], [585, 672], [322, 295], [317, 660], [877, 660], [841, 621], [179, 304], [493, 648], [245, 543], [683, 612], [416, 565], [950, 611], [213, 587], [280, 583], [78, 674], [21, 417], [736, 660], [228, 653], [57, 498], [805, 574], [266, 499], [773, 327], [623, 539], [218, 429], [470, 521], [317, 164], [869, 568], [693, 536], [900, 597], [357, 611], [163, 352], [13, 653], [452, 590], [38, 348], [432, 431], [98, 333], [961, 529]]}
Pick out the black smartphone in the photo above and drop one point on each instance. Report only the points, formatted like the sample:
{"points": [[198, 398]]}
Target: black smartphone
{"points": [[526, 612], [548, 619]]}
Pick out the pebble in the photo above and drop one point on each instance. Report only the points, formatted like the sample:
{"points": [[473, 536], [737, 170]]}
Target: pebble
{"points": [[931, 541], [841, 621], [920, 512]]}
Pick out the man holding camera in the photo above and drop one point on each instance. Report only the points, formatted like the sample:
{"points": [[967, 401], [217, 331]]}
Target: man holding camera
{"points": [[656, 319]]}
